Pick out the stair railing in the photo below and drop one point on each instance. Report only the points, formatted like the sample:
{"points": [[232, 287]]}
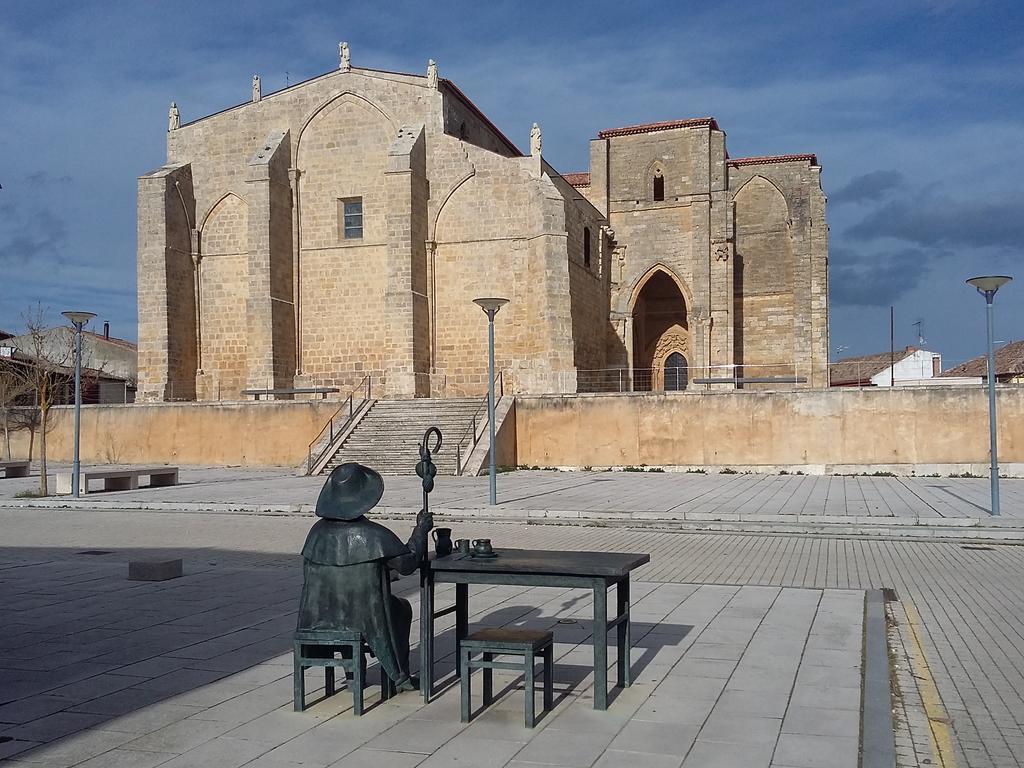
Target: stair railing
{"points": [[335, 426], [473, 434]]}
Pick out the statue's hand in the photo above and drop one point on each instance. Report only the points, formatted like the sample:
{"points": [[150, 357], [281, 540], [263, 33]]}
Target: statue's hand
{"points": [[424, 520]]}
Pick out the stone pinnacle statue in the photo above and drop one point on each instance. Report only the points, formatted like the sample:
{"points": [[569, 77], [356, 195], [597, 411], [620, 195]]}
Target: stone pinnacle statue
{"points": [[256, 95], [432, 74], [535, 140], [348, 561], [173, 118], [345, 57]]}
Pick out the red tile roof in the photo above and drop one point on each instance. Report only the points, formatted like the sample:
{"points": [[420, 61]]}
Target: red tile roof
{"points": [[769, 159], [859, 370], [1009, 363], [663, 126], [577, 179]]}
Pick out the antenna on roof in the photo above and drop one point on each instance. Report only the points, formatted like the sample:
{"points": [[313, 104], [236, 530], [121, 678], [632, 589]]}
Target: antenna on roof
{"points": [[920, 331]]}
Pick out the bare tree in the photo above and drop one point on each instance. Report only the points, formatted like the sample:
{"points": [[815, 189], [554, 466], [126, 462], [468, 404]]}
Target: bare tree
{"points": [[50, 373], [46, 375], [13, 389]]}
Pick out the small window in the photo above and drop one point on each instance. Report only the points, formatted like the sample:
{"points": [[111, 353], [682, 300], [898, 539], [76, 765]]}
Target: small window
{"points": [[462, 131], [586, 247], [351, 215], [659, 186]]}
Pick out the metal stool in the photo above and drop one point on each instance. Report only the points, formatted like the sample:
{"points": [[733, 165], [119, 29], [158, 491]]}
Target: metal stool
{"points": [[317, 648], [527, 643]]}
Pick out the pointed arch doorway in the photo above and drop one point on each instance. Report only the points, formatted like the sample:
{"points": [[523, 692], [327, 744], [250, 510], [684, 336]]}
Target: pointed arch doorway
{"points": [[661, 335]]}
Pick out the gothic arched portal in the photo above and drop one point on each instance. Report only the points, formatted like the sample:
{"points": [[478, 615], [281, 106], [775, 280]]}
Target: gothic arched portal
{"points": [[660, 329]]}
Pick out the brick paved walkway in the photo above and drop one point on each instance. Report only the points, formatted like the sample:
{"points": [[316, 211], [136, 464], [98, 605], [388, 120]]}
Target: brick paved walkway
{"points": [[880, 505], [959, 632]]}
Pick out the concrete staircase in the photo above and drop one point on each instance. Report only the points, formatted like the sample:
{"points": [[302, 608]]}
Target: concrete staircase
{"points": [[387, 438]]}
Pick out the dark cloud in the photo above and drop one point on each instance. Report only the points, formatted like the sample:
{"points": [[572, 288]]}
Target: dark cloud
{"points": [[875, 280], [43, 177], [946, 222], [870, 186], [38, 236]]}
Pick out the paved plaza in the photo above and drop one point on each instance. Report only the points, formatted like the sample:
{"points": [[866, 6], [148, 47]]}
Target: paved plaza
{"points": [[747, 650], [880, 505]]}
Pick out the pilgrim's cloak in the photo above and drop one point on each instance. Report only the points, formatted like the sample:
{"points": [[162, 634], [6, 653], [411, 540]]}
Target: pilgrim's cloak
{"points": [[348, 585]]}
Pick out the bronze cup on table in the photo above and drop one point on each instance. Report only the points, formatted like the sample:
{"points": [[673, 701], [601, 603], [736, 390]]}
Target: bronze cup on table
{"points": [[462, 546], [482, 547]]}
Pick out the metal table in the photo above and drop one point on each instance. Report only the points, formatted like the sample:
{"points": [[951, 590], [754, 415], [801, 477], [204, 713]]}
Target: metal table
{"points": [[535, 568]]}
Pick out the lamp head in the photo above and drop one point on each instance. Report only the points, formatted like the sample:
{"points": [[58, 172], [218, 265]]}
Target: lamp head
{"points": [[490, 305], [987, 283], [79, 318]]}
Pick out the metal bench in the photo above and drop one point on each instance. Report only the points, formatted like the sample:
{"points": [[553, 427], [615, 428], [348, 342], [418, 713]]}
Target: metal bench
{"points": [[528, 643], [330, 649], [118, 479], [14, 468], [267, 393]]}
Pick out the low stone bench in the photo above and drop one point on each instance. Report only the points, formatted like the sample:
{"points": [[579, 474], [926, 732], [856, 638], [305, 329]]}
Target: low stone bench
{"points": [[154, 570], [290, 392], [14, 468], [118, 479]]}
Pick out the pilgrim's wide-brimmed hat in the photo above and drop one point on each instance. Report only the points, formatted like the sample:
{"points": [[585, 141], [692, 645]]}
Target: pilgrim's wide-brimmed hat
{"points": [[351, 491]]}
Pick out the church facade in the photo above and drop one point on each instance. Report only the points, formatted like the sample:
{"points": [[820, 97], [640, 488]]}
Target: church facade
{"points": [[341, 228]]}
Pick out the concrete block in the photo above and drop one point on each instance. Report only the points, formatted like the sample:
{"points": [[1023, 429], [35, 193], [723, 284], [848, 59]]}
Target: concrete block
{"points": [[154, 570]]}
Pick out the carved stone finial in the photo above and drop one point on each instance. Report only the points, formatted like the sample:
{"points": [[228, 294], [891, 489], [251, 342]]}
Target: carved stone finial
{"points": [[535, 140], [345, 57], [431, 74], [256, 92], [173, 118]]}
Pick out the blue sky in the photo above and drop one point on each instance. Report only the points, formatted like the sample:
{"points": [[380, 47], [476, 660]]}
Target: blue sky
{"points": [[914, 108]]}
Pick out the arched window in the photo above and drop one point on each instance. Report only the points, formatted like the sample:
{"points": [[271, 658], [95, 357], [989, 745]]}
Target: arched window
{"points": [[675, 372], [659, 186], [586, 247]]}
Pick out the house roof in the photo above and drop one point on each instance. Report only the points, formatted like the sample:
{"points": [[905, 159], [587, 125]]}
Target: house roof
{"points": [[666, 125], [856, 370], [111, 340], [769, 159], [577, 179], [1009, 362]]}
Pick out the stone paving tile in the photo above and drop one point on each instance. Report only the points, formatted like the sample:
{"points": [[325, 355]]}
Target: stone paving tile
{"points": [[713, 754], [373, 758], [803, 751], [85, 745], [224, 752], [126, 758]]}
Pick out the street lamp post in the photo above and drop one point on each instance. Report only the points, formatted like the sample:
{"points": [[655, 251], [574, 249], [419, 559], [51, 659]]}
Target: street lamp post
{"points": [[78, 319], [987, 286], [490, 306]]}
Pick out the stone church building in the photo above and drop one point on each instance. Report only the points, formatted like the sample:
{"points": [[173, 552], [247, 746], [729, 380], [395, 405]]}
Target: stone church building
{"points": [[341, 227]]}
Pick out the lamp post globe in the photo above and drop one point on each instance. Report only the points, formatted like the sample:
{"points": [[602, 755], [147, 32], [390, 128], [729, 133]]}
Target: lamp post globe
{"points": [[987, 285], [490, 305], [78, 319]]}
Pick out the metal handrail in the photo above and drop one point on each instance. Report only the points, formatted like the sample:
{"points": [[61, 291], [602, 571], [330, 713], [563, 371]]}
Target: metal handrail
{"points": [[349, 405], [473, 432]]}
